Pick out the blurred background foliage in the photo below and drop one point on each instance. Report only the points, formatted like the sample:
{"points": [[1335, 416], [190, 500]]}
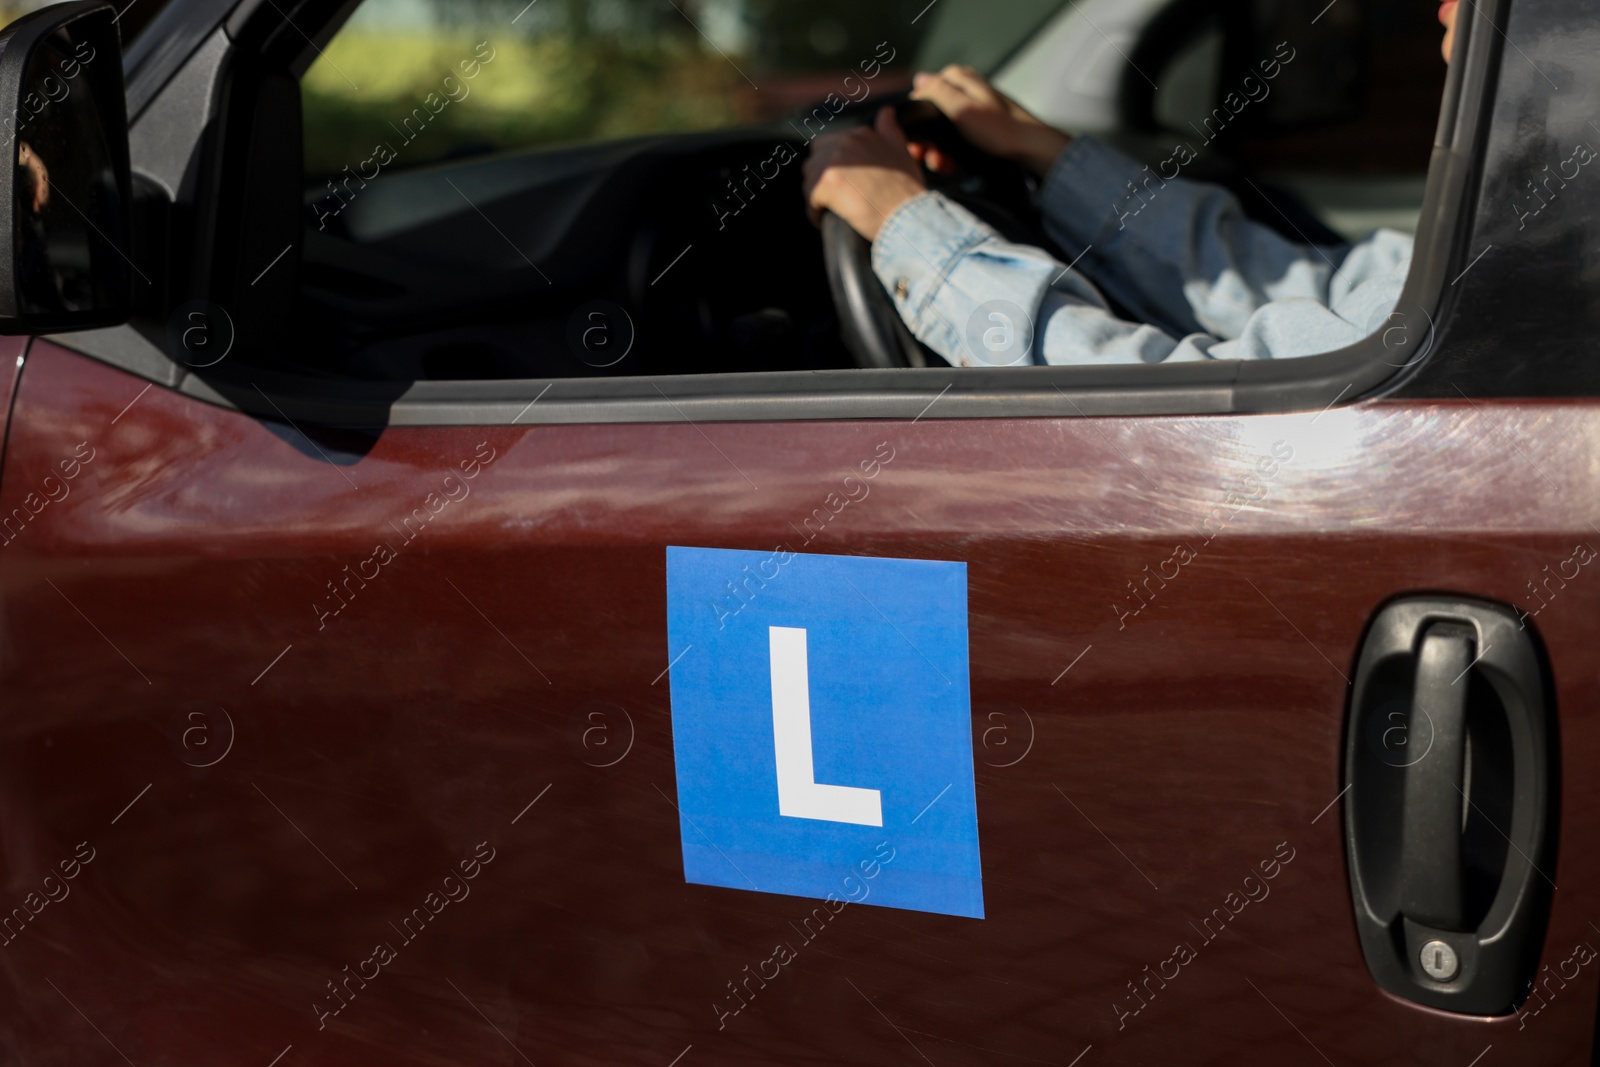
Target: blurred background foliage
{"points": [[566, 71]]}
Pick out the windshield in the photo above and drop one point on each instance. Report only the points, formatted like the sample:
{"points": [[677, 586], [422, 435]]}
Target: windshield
{"points": [[549, 72]]}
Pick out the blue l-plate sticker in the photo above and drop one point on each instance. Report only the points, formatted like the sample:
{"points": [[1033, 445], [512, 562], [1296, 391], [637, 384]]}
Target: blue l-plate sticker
{"points": [[822, 727]]}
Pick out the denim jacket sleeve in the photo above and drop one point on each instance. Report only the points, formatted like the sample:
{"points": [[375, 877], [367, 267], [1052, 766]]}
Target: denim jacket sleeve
{"points": [[1225, 287], [1183, 252]]}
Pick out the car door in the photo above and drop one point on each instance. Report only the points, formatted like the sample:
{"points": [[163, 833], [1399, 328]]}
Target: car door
{"points": [[347, 738], [309, 734]]}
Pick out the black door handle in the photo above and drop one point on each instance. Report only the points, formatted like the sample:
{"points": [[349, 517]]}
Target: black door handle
{"points": [[1448, 827], [1430, 829]]}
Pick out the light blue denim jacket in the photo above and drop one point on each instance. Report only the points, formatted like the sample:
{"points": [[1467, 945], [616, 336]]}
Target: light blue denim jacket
{"points": [[1203, 281]]}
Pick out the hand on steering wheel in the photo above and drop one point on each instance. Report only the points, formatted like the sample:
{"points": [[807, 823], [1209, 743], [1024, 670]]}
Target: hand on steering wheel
{"points": [[862, 175], [988, 120], [854, 180]]}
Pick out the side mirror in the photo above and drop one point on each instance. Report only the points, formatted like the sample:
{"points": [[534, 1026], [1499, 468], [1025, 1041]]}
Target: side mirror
{"points": [[65, 260]]}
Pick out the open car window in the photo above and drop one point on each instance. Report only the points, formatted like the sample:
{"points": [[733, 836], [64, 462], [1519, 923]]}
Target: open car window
{"points": [[477, 178]]}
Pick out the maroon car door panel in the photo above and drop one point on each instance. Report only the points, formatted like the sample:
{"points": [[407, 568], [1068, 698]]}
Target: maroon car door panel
{"points": [[360, 750]]}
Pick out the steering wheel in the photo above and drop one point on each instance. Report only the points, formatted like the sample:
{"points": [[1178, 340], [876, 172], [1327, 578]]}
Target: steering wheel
{"points": [[996, 191]]}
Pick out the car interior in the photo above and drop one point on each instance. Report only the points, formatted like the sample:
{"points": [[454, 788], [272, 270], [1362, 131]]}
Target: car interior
{"points": [[466, 219]]}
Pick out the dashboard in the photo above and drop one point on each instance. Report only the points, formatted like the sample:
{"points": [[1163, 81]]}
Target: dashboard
{"points": [[698, 245]]}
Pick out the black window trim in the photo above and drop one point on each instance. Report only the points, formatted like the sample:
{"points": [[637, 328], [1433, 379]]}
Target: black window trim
{"points": [[1372, 368]]}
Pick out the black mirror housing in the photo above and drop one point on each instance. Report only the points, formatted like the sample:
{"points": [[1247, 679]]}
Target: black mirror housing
{"points": [[65, 259]]}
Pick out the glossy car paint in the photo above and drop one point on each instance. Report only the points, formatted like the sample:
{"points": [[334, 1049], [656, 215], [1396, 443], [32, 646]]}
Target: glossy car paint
{"points": [[1162, 761], [374, 750]]}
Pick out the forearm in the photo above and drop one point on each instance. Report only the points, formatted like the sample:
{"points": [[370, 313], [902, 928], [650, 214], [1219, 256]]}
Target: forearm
{"points": [[979, 300], [949, 274], [1038, 147]]}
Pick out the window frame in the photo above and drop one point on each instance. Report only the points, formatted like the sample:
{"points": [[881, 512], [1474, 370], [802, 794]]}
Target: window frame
{"points": [[1375, 367]]}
